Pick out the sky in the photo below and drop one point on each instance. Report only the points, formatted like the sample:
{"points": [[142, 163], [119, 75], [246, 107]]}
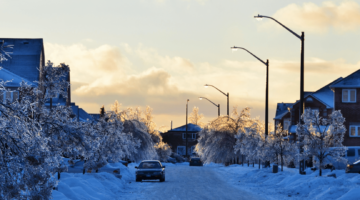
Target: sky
{"points": [[162, 52]]}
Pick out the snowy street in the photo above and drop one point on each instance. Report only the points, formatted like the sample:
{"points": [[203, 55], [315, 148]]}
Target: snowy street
{"points": [[213, 181], [184, 182]]}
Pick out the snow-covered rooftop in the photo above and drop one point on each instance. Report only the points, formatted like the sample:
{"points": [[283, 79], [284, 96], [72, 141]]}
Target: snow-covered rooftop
{"points": [[26, 58], [15, 80], [351, 81], [282, 109], [191, 127]]}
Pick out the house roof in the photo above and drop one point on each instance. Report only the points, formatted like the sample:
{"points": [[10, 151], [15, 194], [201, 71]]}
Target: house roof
{"points": [[83, 115], [281, 110], [26, 58], [351, 81], [325, 95], [191, 127], [15, 80]]}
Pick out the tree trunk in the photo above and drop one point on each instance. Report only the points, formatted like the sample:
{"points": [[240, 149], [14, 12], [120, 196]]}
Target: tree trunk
{"points": [[282, 163], [248, 163], [259, 163], [58, 175], [242, 160], [320, 172], [253, 164]]}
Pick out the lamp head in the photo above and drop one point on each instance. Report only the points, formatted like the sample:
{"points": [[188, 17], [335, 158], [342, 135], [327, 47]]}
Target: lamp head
{"points": [[200, 98], [188, 100], [258, 17], [234, 48], [206, 85]]}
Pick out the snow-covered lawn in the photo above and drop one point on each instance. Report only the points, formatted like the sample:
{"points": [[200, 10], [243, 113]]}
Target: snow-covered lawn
{"points": [[289, 184], [213, 181]]}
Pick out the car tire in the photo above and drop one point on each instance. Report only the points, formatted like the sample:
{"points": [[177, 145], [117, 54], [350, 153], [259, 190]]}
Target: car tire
{"points": [[162, 179], [138, 180]]}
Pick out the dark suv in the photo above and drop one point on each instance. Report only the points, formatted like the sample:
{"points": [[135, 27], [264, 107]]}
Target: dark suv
{"points": [[195, 162], [150, 169]]}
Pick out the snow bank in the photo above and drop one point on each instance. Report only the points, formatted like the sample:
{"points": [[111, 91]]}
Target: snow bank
{"points": [[94, 186], [290, 183]]}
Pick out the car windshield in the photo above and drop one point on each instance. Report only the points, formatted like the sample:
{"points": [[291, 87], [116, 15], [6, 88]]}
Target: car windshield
{"points": [[149, 165]]}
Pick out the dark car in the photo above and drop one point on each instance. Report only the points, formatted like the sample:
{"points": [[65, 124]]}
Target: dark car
{"points": [[195, 162], [353, 168], [150, 169]]}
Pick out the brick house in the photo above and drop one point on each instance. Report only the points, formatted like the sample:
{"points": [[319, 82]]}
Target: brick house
{"points": [[341, 94], [176, 138]]}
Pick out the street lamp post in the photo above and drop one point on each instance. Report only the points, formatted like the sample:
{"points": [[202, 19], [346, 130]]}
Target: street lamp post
{"points": [[206, 85], [301, 106], [186, 129], [234, 48], [212, 103]]}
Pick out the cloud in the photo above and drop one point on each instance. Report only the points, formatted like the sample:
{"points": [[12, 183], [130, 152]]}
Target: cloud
{"points": [[320, 18], [152, 57]]}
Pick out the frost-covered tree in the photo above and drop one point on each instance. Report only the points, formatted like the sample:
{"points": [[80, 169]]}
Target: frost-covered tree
{"points": [[322, 137], [114, 144], [26, 162], [279, 148], [250, 139], [217, 139], [195, 117], [163, 151]]}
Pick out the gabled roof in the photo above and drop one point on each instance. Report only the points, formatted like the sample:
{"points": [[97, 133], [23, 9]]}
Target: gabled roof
{"points": [[15, 80], [325, 95], [282, 110], [191, 127], [351, 81], [26, 58], [79, 112]]}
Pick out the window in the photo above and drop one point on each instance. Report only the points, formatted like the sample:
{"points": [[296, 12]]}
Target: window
{"points": [[193, 136], [349, 95], [325, 113], [181, 150], [183, 136], [354, 131], [286, 124], [350, 152], [193, 149], [9, 96], [309, 99]]}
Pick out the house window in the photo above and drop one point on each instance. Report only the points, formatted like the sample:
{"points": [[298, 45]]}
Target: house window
{"points": [[193, 136], [349, 95], [181, 150], [350, 152], [193, 149], [354, 131], [325, 113], [286, 124], [183, 136], [9, 96]]}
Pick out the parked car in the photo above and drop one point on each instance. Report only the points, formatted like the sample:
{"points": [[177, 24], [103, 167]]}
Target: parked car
{"points": [[195, 162], [150, 169], [352, 154], [353, 168], [78, 167]]}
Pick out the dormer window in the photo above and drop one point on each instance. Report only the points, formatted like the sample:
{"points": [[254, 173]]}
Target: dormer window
{"points": [[349, 95]]}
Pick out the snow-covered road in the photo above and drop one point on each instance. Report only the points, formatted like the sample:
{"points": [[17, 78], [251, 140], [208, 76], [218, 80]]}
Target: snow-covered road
{"points": [[184, 182]]}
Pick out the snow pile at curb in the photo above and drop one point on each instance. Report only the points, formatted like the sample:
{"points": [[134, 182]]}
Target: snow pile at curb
{"points": [[93, 186], [290, 184]]}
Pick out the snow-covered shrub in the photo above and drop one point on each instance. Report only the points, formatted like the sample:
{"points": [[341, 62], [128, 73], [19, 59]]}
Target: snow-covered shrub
{"points": [[322, 137], [177, 157]]}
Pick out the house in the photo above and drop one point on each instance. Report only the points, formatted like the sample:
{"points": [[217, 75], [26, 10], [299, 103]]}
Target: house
{"points": [[27, 57], [176, 138], [347, 99], [26, 63], [340, 94]]}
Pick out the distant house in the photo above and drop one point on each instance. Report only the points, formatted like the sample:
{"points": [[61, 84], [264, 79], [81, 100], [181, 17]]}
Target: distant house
{"points": [[176, 138], [26, 63], [341, 94], [27, 57]]}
